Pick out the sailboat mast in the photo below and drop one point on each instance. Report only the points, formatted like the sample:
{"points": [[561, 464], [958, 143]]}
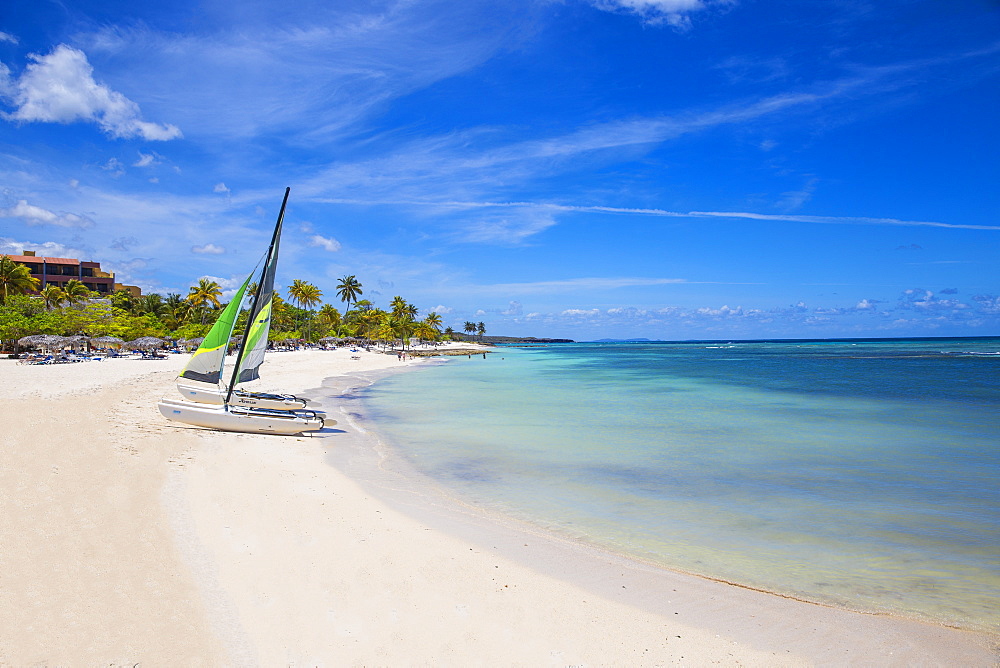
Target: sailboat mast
{"points": [[256, 299]]}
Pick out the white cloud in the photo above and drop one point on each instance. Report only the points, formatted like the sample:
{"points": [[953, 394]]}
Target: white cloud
{"points": [[35, 215], [576, 312], [725, 311], [60, 88], [513, 308], [7, 37], [208, 249], [672, 12], [326, 243], [220, 188], [229, 285], [866, 304], [225, 283], [145, 160], [7, 88], [10, 246], [114, 166], [440, 309], [628, 312], [988, 303]]}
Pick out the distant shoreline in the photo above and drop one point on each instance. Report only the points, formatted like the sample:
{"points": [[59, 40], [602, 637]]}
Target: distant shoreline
{"points": [[502, 340], [870, 339]]}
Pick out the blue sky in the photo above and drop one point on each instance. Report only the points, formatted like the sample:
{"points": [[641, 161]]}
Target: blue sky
{"points": [[668, 169]]}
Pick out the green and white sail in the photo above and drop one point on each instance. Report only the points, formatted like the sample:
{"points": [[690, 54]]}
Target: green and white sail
{"points": [[251, 352], [205, 366], [260, 325]]}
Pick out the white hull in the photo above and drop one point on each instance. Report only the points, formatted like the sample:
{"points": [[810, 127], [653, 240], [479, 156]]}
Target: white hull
{"points": [[238, 418], [213, 396]]}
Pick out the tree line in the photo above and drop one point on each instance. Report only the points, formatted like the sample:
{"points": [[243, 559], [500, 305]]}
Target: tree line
{"points": [[25, 309]]}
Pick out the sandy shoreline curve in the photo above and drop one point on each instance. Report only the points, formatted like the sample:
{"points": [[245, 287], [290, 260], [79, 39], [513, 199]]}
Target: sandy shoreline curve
{"points": [[125, 538]]}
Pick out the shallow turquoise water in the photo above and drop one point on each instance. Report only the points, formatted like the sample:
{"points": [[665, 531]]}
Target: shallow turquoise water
{"points": [[862, 474]]}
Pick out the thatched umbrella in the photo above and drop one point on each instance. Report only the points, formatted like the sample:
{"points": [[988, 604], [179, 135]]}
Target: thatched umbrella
{"points": [[106, 341], [44, 341], [144, 343], [188, 344], [73, 340]]}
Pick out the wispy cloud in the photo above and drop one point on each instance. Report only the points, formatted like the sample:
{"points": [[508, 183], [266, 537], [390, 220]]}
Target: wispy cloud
{"points": [[837, 220], [505, 229], [663, 213], [332, 63], [430, 172], [575, 285]]}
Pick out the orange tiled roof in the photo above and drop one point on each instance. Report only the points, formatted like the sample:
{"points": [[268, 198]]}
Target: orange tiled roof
{"points": [[37, 258]]}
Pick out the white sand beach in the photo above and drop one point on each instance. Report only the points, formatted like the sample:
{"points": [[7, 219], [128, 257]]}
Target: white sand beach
{"points": [[127, 539]]}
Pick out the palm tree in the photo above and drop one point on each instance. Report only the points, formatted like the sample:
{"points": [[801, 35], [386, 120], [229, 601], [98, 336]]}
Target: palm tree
{"points": [[204, 294], [424, 331], [175, 311], [349, 289], [76, 292], [122, 298], [382, 330], [329, 318], [370, 320], [469, 327], [281, 319], [398, 305], [304, 293], [402, 324], [52, 295], [15, 278], [152, 304], [433, 321], [449, 332], [481, 329]]}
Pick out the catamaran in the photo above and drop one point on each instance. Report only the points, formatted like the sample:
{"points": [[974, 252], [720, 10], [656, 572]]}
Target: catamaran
{"points": [[208, 400]]}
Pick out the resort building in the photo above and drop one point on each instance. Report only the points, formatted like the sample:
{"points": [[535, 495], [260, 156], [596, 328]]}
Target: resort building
{"points": [[61, 270]]}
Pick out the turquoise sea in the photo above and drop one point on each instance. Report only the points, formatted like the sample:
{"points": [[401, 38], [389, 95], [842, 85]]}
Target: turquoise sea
{"points": [[857, 473]]}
